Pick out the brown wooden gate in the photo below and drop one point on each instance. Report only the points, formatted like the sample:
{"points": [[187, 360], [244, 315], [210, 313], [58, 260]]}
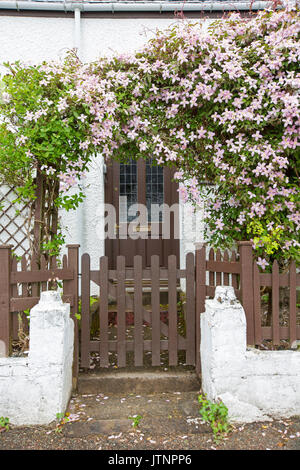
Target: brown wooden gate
{"points": [[150, 332]]}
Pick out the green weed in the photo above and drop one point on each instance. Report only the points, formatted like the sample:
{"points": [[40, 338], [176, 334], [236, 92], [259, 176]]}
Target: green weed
{"points": [[216, 414]]}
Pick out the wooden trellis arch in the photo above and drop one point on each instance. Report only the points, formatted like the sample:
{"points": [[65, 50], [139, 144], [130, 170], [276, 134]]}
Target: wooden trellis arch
{"points": [[13, 221]]}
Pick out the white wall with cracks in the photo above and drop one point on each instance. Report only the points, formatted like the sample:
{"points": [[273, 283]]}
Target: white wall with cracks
{"points": [[34, 389], [254, 385]]}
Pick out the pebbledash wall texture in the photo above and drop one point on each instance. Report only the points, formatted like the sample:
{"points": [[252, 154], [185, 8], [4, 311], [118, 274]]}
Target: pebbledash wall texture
{"points": [[34, 39], [34, 389], [255, 385]]}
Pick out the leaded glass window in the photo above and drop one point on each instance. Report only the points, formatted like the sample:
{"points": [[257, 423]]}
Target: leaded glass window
{"points": [[154, 190], [128, 189]]}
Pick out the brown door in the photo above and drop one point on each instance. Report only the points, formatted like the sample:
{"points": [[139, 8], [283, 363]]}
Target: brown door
{"points": [[145, 200]]}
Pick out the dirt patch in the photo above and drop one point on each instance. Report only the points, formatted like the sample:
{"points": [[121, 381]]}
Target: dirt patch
{"points": [[169, 421], [279, 435]]}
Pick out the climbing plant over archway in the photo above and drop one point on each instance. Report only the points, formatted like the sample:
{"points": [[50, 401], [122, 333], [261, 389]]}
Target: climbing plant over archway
{"points": [[221, 105]]}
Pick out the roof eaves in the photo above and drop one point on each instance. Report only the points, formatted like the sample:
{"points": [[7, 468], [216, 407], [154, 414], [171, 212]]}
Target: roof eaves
{"points": [[133, 5]]}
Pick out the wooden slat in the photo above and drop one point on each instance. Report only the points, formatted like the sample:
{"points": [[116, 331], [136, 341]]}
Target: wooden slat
{"points": [[219, 268], [25, 293], [234, 280], [138, 312], [200, 299], [222, 266], [182, 344], [14, 291], [275, 303], [41, 276], [211, 262], [225, 275], [172, 293], [155, 304], [129, 307], [284, 332], [103, 312], [5, 293], [52, 266], [257, 304], [32, 278], [246, 286], [190, 309], [43, 268], [121, 315], [113, 345], [71, 287], [39, 205], [146, 275], [24, 265], [293, 303], [23, 303], [53, 262], [85, 310], [284, 281]]}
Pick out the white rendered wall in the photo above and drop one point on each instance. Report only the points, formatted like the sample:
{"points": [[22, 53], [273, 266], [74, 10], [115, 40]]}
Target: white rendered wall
{"points": [[34, 389], [254, 385], [34, 39]]}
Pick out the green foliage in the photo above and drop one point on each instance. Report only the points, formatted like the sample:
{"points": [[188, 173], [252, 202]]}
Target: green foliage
{"points": [[216, 415], [135, 420], [62, 420], [40, 132], [4, 424], [27, 313], [53, 246], [222, 106], [93, 300]]}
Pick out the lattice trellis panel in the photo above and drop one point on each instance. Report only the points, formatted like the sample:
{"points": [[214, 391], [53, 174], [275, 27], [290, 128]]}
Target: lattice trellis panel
{"points": [[13, 226]]}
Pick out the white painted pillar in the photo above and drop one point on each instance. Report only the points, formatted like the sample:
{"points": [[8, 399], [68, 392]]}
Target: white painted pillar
{"points": [[223, 342], [34, 389]]}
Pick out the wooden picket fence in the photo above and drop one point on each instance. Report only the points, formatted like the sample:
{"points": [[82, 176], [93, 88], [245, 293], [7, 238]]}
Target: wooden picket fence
{"points": [[21, 284], [113, 283], [201, 276], [275, 280], [20, 287]]}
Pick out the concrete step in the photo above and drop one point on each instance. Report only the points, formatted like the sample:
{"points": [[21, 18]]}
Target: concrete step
{"points": [[149, 427], [138, 382], [160, 413]]}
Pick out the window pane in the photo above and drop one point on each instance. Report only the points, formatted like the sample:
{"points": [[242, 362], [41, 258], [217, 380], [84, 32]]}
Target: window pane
{"points": [[154, 189], [128, 189]]}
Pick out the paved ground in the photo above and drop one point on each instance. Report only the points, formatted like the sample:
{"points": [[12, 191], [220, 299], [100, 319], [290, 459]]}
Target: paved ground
{"points": [[168, 421]]}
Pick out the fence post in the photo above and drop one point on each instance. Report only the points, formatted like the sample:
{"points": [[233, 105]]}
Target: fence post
{"points": [[200, 296], [246, 286], [71, 287], [5, 291]]}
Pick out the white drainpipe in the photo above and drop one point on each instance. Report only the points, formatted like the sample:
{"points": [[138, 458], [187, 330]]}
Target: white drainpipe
{"points": [[77, 46], [77, 31]]}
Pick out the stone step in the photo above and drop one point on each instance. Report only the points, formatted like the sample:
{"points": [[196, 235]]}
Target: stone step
{"points": [[102, 406], [160, 413], [148, 427], [116, 381]]}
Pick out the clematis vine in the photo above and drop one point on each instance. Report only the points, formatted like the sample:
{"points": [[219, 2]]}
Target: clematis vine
{"points": [[222, 106]]}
